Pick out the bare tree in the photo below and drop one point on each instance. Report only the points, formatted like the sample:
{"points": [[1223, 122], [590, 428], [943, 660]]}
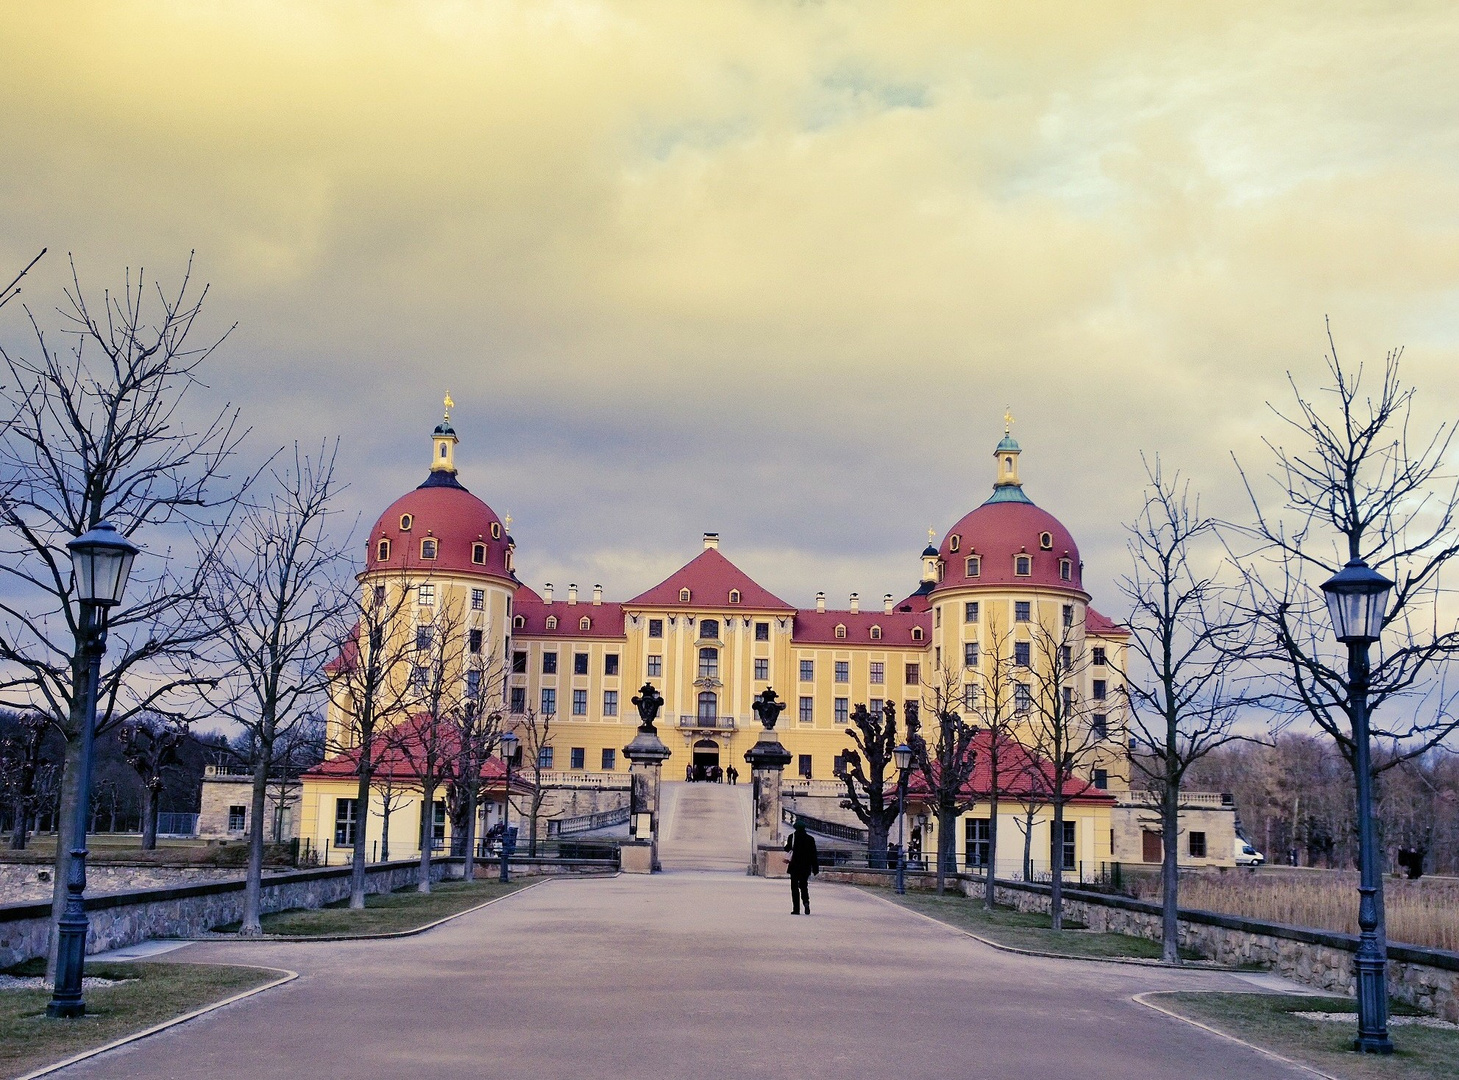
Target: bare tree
{"points": [[866, 770], [27, 773], [946, 762], [11, 291], [1185, 636], [151, 747], [392, 791], [280, 593], [991, 708], [535, 731], [477, 726], [101, 431]]}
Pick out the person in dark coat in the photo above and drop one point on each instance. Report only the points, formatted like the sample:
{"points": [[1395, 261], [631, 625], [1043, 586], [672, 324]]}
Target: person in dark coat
{"points": [[803, 863]]}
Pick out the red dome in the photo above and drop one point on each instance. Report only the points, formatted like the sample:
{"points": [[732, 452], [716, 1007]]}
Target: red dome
{"points": [[450, 515], [1000, 531]]}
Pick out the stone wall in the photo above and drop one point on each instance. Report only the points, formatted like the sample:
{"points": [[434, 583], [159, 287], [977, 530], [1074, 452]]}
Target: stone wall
{"points": [[22, 883]]}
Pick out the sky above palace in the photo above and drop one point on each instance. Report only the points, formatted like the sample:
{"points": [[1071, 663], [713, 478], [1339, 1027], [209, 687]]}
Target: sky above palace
{"points": [[765, 268]]}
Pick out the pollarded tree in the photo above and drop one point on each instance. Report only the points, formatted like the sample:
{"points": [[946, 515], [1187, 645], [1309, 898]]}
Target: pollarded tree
{"points": [[476, 723], [944, 762], [867, 769]]}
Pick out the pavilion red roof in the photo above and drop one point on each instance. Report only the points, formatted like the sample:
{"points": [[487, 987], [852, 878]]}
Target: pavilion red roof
{"points": [[400, 749], [1022, 774], [709, 577]]}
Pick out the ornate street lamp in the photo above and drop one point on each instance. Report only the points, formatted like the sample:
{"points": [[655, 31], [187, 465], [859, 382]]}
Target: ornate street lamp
{"points": [[902, 755], [509, 752], [101, 561], [1357, 596]]}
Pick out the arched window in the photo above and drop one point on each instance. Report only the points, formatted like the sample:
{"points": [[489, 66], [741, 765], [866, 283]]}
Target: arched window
{"points": [[734, 596], [382, 550], [840, 630], [916, 633], [709, 663], [405, 522], [510, 560], [1022, 565], [973, 567], [585, 623], [427, 549], [683, 596], [478, 553], [1046, 541], [876, 633], [1066, 570], [708, 706], [552, 622], [709, 628], [954, 542], [496, 530], [518, 622]]}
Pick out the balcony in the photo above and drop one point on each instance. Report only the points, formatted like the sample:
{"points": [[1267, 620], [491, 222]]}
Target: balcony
{"points": [[707, 723]]}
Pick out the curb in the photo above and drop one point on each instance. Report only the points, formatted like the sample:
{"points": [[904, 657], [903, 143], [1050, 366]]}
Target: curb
{"points": [[1143, 999], [286, 976]]}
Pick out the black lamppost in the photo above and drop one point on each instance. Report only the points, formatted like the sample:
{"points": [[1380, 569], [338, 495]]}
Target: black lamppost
{"points": [[902, 755], [509, 751], [101, 560], [1357, 596]]}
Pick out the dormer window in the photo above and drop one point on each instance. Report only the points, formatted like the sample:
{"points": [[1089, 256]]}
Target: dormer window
{"points": [[478, 554], [973, 567], [916, 633], [1066, 570], [876, 633], [382, 551], [406, 521], [427, 549], [585, 623], [841, 630], [1046, 541], [1022, 565], [954, 542], [519, 622], [734, 596], [552, 622], [496, 530], [683, 596]]}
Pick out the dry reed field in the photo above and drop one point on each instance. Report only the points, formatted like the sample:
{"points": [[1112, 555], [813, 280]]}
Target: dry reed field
{"points": [[1423, 912]]}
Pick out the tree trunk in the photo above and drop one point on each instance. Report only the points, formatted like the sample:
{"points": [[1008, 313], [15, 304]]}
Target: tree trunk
{"points": [[1056, 866], [991, 871], [357, 859], [468, 867], [876, 842], [253, 880], [17, 829], [427, 834], [385, 830], [1028, 812], [1170, 875], [150, 802]]}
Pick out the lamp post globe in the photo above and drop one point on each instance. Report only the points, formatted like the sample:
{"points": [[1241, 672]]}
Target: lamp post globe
{"points": [[902, 756], [509, 743], [101, 562], [1357, 597]]}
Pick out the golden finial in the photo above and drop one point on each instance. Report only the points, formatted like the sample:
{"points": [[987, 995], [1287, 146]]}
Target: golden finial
{"points": [[1008, 420], [449, 405], [931, 535]]}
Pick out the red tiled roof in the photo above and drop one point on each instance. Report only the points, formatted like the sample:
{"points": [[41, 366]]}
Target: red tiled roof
{"points": [[819, 628], [349, 654], [454, 518], [1095, 623], [605, 620], [997, 532], [398, 750], [1021, 774], [709, 577]]}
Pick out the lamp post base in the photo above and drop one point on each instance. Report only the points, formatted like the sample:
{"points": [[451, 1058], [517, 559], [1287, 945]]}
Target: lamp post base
{"points": [[1373, 1044]]}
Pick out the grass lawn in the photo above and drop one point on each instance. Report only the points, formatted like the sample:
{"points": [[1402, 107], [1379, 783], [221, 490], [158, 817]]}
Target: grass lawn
{"points": [[1026, 929], [152, 993], [387, 913], [1267, 1020]]}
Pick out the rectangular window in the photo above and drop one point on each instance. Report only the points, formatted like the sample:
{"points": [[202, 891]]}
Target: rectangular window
{"points": [[970, 654], [425, 595], [237, 818], [807, 670], [762, 668], [519, 663], [977, 838], [807, 709], [805, 765], [580, 663], [973, 567], [1066, 656], [1068, 700], [473, 683], [1099, 724], [1100, 689], [344, 821], [762, 631], [580, 703], [912, 674], [937, 616], [1021, 653], [473, 641], [878, 672], [1063, 850], [438, 825], [1097, 656], [1101, 779], [478, 599], [420, 678], [655, 667], [379, 594], [544, 757], [970, 696], [1021, 611], [549, 663], [610, 702], [577, 758], [843, 710], [709, 663], [610, 759], [656, 628], [610, 663], [549, 701], [519, 699], [1022, 697], [878, 707], [843, 671], [1198, 845], [970, 611], [1068, 614], [423, 637], [937, 657]]}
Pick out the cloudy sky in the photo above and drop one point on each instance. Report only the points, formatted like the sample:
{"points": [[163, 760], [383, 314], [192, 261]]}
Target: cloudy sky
{"points": [[769, 268]]}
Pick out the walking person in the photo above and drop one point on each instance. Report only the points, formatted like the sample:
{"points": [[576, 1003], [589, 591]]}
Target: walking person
{"points": [[804, 861]]}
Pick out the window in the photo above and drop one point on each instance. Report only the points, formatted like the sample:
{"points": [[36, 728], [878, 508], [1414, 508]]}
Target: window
{"points": [[577, 758], [478, 599], [1046, 541], [877, 707], [585, 623], [973, 566], [423, 636], [1099, 726], [841, 630], [610, 702], [425, 595], [473, 683], [1022, 565], [977, 837], [1063, 851], [519, 662], [382, 550], [954, 542], [762, 631], [1068, 615], [438, 825], [1101, 779], [1066, 657], [804, 766], [549, 701], [708, 707], [655, 667], [549, 663], [937, 657], [1100, 689], [937, 616], [762, 669], [478, 553], [427, 549], [551, 623], [1097, 656], [843, 671], [473, 640], [709, 629], [406, 521], [610, 760], [916, 633], [237, 817], [843, 710], [683, 596], [912, 675], [656, 628], [807, 670], [496, 530], [970, 611], [1066, 570], [345, 817], [519, 699], [970, 696], [544, 757], [580, 703], [379, 594], [580, 663], [1068, 700], [1022, 697], [708, 663], [420, 678], [518, 622], [734, 596], [610, 663], [1021, 611], [970, 654], [1198, 845], [1021, 653], [807, 710], [878, 672], [876, 633]]}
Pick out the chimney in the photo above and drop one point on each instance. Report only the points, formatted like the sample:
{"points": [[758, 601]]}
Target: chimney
{"points": [[572, 594], [547, 593], [821, 602], [711, 541], [886, 604], [597, 596], [855, 602]]}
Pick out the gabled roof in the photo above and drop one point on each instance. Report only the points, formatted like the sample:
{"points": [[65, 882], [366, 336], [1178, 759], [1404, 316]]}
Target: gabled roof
{"points": [[819, 628], [397, 751], [709, 577], [1022, 774], [1095, 623]]}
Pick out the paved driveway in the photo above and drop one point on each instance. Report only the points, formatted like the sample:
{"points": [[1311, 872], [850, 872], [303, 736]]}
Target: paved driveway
{"points": [[689, 974]]}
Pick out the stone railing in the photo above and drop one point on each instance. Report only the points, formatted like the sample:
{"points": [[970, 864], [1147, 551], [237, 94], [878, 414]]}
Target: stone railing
{"points": [[603, 781], [1204, 800]]}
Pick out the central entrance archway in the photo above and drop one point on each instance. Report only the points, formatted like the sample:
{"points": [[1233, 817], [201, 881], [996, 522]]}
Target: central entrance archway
{"points": [[706, 757]]}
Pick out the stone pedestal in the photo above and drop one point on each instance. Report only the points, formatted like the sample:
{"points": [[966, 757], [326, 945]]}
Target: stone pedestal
{"points": [[636, 857], [646, 755], [767, 760]]}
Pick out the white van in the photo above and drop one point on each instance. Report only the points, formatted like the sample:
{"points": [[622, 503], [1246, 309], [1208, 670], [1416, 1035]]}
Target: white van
{"points": [[1246, 855]]}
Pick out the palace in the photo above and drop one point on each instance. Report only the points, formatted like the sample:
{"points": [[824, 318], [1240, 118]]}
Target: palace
{"points": [[1002, 590]]}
